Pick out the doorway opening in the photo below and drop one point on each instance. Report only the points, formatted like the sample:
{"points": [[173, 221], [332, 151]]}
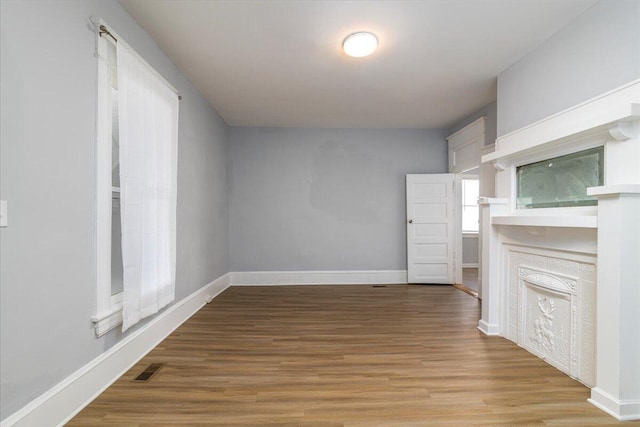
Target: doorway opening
{"points": [[470, 217]]}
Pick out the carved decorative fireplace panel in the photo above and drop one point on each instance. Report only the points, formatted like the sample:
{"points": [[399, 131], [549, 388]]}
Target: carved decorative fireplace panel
{"points": [[552, 309]]}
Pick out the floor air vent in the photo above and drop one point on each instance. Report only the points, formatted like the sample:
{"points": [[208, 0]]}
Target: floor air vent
{"points": [[379, 286], [150, 371]]}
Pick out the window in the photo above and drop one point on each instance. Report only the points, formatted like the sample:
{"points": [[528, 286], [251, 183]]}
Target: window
{"points": [[470, 210], [560, 181], [108, 251], [136, 167]]}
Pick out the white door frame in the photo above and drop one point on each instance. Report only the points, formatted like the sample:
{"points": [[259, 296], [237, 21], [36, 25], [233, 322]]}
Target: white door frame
{"points": [[464, 148], [458, 230]]}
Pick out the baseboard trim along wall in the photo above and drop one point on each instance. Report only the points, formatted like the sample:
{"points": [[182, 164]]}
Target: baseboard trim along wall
{"points": [[347, 277], [626, 410], [488, 328], [59, 404]]}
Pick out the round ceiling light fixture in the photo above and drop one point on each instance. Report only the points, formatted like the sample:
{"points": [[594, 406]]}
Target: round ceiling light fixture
{"points": [[360, 44]]}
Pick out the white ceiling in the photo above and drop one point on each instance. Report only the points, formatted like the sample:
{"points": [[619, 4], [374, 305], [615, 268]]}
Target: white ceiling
{"points": [[279, 62]]}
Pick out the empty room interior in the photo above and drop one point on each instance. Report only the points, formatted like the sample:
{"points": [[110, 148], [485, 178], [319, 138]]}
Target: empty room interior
{"points": [[328, 213]]}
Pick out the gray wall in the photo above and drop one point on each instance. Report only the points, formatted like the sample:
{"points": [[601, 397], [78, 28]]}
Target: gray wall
{"points": [[324, 199], [596, 53], [490, 113], [48, 103], [470, 249]]}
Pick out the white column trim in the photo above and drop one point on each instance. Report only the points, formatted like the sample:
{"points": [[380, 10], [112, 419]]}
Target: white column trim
{"points": [[489, 323], [617, 385]]}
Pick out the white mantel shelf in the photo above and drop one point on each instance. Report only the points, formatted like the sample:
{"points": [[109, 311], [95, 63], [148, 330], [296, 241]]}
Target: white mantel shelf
{"points": [[585, 221], [614, 190]]}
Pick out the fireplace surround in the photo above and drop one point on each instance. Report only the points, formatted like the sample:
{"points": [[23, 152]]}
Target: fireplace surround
{"points": [[564, 282]]}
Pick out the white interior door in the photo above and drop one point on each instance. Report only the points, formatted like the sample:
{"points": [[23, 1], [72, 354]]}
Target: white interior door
{"points": [[431, 228]]}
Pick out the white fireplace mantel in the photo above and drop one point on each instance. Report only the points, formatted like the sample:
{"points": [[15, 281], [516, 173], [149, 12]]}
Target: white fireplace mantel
{"points": [[601, 244], [564, 221], [616, 112]]}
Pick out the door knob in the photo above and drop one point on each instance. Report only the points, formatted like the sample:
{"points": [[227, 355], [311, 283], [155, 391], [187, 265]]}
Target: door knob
{"points": [[410, 221]]}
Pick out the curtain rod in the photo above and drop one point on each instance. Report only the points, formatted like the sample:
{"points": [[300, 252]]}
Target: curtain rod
{"points": [[104, 30]]}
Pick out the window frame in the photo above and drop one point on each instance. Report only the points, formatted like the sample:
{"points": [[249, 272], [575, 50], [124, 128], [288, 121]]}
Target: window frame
{"points": [[462, 205], [108, 307]]}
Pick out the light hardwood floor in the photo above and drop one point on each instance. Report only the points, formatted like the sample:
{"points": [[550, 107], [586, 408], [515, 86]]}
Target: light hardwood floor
{"points": [[469, 282], [470, 278], [342, 356]]}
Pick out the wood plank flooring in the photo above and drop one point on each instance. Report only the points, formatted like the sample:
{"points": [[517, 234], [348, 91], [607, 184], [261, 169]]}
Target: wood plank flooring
{"points": [[469, 282], [470, 278], [342, 356]]}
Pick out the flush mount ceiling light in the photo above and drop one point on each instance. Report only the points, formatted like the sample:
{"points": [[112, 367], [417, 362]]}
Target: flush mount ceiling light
{"points": [[360, 44]]}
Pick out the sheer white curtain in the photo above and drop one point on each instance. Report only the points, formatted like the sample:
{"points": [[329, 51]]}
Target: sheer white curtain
{"points": [[148, 116]]}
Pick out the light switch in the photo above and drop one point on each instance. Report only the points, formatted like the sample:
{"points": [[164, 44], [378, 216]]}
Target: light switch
{"points": [[3, 213]]}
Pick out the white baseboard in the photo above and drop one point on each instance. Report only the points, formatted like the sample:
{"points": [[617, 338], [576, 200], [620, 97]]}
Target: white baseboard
{"points": [[623, 410], [351, 277], [62, 402], [487, 328]]}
